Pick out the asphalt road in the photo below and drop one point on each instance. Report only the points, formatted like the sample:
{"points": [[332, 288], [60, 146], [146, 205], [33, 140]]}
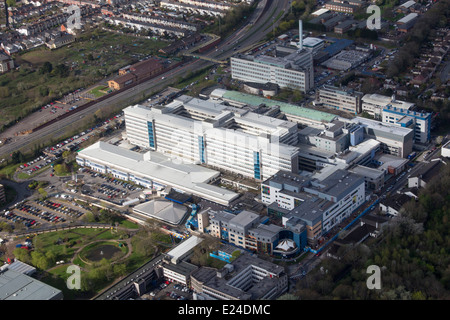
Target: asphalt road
{"points": [[254, 31]]}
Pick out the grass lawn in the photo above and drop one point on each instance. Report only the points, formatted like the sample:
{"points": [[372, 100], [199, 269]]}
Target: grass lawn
{"points": [[99, 91], [72, 240], [94, 55], [8, 171], [128, 224], [24, 175]]}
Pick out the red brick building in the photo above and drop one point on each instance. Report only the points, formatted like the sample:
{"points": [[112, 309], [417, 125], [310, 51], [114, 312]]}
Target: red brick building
{"points": [[141, 70]]}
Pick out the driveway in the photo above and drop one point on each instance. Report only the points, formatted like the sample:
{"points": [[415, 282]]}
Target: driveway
{"points": [[21, 189]]}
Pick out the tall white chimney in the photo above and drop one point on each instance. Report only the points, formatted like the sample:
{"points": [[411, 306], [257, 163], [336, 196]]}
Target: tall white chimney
{"points": [[300, 35]]}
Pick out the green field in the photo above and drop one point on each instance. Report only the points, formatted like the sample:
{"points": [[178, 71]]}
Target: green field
{"points": [[94, 55], [99, 91], [74, 246]]}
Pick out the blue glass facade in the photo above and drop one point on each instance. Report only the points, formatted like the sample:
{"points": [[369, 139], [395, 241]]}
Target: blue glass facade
{"points": [[256, 165], [151, 138], [201, 149]]}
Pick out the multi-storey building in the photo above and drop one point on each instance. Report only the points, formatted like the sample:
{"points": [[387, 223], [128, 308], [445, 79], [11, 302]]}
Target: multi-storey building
{"points": [[341, 7], [320, 204], [420, 122], [339, 99], [301, 115], [212, 133], [395, 140], [246, 278], [333, 137], [374, 104], [293, 71], [248, 230]]}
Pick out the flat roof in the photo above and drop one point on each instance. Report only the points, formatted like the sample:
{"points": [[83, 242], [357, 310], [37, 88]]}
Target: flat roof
{"points": [[367, 172], [389, 160], [408, 18], [312, 42], [295, 110], [320, 11], [311, 209], [244, 218], [17, 286], [160, 168], [382, 126], [184, 247], [22, 267], [408, 4], [337, 45], [339, 183]]}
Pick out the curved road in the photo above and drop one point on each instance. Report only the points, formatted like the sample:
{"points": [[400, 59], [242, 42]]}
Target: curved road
{"points": [[245, 36]]}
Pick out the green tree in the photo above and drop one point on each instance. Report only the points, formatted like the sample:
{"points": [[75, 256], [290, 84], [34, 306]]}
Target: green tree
{"points": [[5, 227], [120, 269], [61, 70], [47, 67], [43, 91], [43, 193], [17, 157], [39, 260], [11, 3], [61, 169], [22, 255]]}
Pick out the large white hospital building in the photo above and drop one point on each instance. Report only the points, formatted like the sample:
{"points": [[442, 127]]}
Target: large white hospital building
{"points": [[294, 71], [212, 133]]}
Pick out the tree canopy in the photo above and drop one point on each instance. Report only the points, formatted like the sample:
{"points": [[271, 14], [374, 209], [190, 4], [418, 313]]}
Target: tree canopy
{"points": [[412, 253]]}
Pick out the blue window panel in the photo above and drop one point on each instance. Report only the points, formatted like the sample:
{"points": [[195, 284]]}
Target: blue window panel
{"points": [[256, 165], [201, 148], [151, 139]]}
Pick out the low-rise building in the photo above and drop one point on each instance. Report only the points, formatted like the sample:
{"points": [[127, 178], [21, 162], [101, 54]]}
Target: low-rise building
{"points": [[428, 172], [341, 7], [16, 285], [445, 150], [60, 41], [347, 59], [141, 70], [373, 177], [6, 63], [245, 278], [209, 8], [407, 22], [393, 204], [301, 115], [344, 26], [154, 170]]}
